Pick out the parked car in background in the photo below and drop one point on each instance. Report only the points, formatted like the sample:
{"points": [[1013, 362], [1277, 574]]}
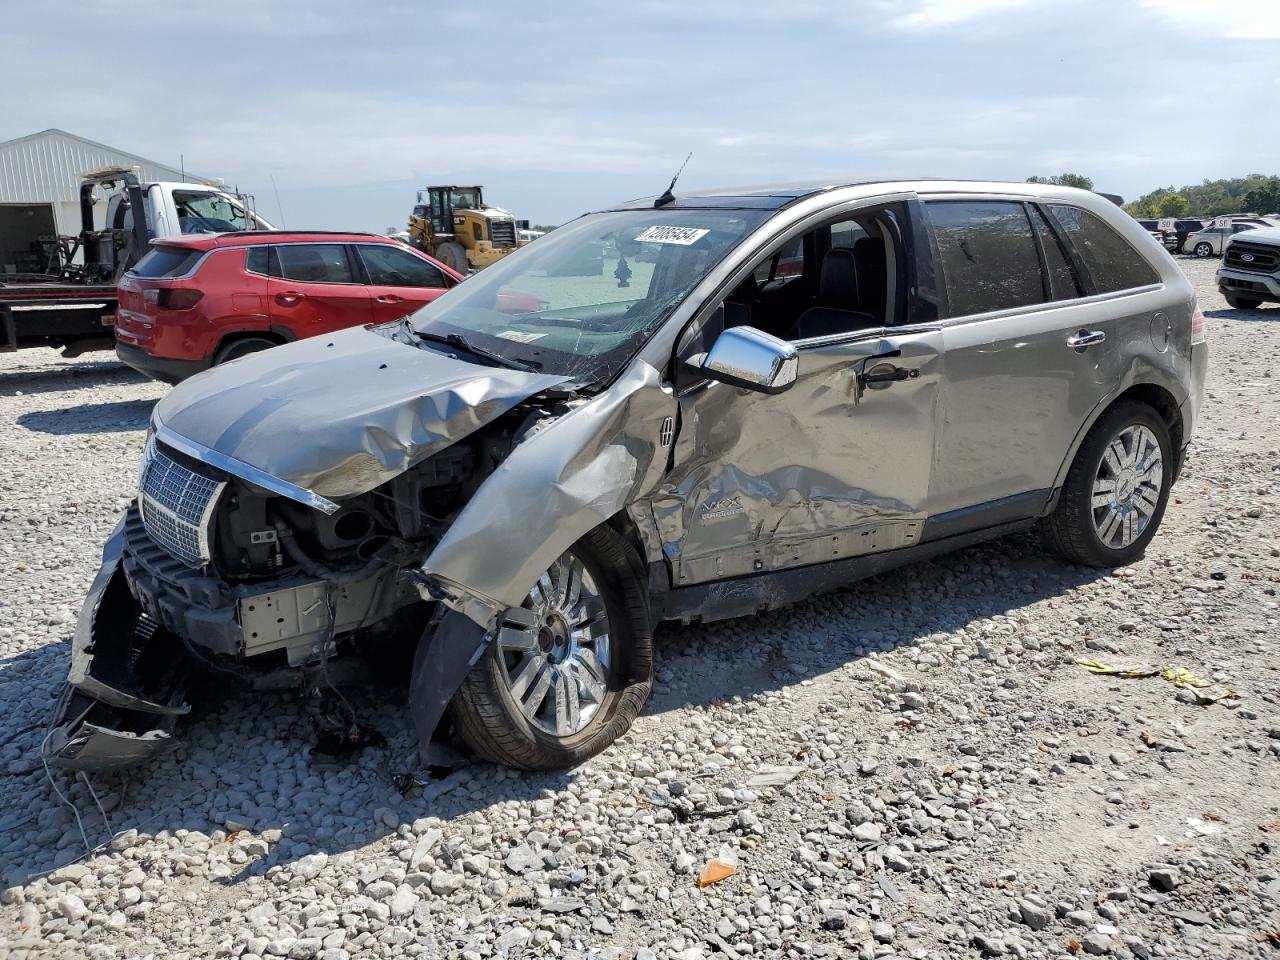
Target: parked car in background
{"points": [[190, 304], [1210, 241], [521, 497], [1249, 274], [1176, 231], [1153, 227]]}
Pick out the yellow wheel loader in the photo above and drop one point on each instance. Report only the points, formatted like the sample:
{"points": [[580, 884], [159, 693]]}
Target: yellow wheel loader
{"points": [[454, 225]]}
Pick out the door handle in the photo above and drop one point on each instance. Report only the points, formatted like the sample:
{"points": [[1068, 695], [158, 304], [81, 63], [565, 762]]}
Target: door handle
{"points": [[390, 298], [288, 298], [1086, 338], [892, 375]]}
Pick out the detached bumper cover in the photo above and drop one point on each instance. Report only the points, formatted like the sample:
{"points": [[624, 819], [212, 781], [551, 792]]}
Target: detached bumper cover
{"points": [[126, 687]]}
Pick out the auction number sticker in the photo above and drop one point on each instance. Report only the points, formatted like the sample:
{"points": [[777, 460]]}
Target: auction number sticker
{"points": [[683, 236], [520, 336]]}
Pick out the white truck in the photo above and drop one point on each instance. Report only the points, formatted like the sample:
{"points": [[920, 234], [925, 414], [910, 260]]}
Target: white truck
{"points": [[72, 304], [1250, 270]]}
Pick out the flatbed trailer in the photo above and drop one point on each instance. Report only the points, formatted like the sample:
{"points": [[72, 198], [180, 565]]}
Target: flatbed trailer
{"points": [[50, 312]]}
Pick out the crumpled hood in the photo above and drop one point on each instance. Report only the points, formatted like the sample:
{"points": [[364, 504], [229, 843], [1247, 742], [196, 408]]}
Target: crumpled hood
{"points": [[343, 413]]}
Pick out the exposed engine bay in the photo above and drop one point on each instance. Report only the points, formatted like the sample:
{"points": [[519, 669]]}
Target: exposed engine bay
{"points": [[209, 574]]}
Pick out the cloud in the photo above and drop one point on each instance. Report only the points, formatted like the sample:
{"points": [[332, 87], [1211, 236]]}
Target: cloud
{"points": [[930, 14], [1235, 19]]}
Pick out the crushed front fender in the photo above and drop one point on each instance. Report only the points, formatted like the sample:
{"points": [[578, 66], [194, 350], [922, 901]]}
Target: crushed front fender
{"points": [[126, 687]]}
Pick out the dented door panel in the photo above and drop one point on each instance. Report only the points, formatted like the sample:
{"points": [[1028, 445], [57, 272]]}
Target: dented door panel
{"points": [[832, 468]]}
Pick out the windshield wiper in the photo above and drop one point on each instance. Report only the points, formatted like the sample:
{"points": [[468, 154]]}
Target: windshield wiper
{"points": [[458, 341]]}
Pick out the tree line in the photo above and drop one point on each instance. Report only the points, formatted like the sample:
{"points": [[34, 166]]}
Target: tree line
{"points": [[1256, 193]]}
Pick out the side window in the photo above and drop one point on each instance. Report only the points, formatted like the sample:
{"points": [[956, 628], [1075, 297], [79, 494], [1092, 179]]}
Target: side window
{"points": [[258, 260], [787, 263], [1063, 283], [1113, 265], [845, 234], [988, 255], [389, 267], [314, 262]]}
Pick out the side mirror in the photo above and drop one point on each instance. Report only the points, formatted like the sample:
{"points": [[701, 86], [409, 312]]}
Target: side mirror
{"points": [[750, 358]]}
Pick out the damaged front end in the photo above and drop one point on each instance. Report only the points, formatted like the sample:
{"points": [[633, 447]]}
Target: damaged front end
{"points": [[225, 568]]}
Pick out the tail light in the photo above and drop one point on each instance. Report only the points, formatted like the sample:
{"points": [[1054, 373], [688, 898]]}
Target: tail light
{"points": [[173, 298], [1198, 331]]}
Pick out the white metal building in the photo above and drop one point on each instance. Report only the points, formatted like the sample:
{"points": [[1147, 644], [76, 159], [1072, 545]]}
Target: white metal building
{"points": [[40, 186]]}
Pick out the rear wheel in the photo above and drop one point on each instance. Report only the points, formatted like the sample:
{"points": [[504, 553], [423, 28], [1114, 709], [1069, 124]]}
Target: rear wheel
{"points": [[1242, 303], [242, 348], [452, 256], [1203, 249], [569, 669], [1116, 490]]}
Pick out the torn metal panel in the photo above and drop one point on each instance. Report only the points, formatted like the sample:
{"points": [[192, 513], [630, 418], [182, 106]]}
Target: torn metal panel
{"points": [[357, 407], [833, 468], [567, 478], [448, 650]]}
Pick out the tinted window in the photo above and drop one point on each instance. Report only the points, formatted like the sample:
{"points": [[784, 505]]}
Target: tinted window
{"points": [[165, 261], [314, 262], [988, 254], [1112, 264], [389, 267], [257, 260], [1062, 278]]}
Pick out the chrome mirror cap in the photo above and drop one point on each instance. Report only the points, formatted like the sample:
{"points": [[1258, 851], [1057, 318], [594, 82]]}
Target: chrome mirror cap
{"points": [[750, 358]]}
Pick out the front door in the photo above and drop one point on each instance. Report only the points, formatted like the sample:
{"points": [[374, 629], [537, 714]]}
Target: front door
{"points": [[834, 467], [401, 282], [315, 289]]}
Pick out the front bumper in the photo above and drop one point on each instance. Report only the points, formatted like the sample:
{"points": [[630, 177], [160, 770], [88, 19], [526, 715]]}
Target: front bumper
{"points": [[1258, 286], [127, 684]]}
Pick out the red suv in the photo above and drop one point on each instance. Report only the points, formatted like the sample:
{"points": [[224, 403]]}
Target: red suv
{"points": [[194, 302]]}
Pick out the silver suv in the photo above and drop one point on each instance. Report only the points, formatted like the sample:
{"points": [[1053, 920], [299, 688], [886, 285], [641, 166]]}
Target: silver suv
{"points": [[765, 393]]}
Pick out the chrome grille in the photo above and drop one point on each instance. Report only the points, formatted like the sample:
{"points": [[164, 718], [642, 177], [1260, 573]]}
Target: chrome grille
{"points": [[176, 505], [1258, 257], [502, 233]]}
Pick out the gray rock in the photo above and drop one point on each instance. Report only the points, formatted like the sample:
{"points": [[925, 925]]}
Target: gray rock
{"points": [[1164, 879], [1035, 917]]}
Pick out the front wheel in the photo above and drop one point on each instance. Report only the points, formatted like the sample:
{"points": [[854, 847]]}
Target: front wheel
{"points": [[1203, 249], [569, 669], [1242, 303], [1115, 493], [453, 256]]}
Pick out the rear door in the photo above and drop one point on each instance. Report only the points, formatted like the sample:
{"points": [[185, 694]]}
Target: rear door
{"points": [[316, 288], [1025, 361], [400, 280]]}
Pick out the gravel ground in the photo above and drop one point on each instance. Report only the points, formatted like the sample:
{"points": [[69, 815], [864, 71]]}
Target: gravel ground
{"points": [[913, 767]]}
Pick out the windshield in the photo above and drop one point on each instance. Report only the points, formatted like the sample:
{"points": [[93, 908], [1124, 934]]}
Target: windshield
{"points": [[582, 300], [464, 198], [210, 213]]}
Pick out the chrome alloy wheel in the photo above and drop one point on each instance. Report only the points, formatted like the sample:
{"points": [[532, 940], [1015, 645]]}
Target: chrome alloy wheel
{"points": [[1126, 489], [555, 649]]}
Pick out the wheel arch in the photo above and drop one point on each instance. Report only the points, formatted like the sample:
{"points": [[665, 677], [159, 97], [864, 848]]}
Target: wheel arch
{"points": [[1154, 395], [274, 334]]}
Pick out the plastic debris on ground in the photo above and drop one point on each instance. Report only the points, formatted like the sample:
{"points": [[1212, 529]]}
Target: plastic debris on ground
{"points": [[1180, 677]]}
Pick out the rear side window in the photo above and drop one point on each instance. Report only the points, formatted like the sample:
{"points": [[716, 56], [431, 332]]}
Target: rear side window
{"points": [[389, 267], [259, 261], [1063, 284], [162, 261], [988, 254], [1113, 265], [314, 262]]}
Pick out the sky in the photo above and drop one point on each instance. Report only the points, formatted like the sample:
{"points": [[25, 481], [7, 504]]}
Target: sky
{"points": [[565, 107]]}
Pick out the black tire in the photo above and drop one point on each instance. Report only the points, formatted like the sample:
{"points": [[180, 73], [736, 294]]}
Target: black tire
{"points": [[1242, 303], [242, 348], [453, 256], [486, 715], [1070, 531], [1203, 249]]}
